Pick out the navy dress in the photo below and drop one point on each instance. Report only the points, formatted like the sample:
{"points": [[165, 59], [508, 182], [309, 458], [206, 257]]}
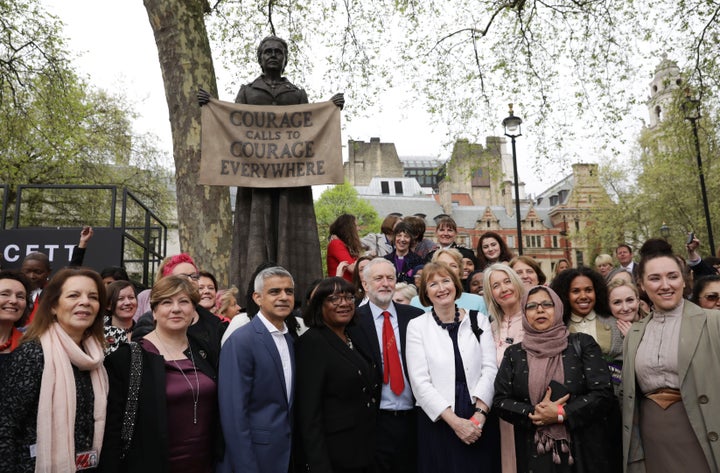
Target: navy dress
{"points": [[439, 448]]}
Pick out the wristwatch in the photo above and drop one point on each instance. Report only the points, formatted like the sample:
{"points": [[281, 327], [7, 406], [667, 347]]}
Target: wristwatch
{"points": [[481, 411]]}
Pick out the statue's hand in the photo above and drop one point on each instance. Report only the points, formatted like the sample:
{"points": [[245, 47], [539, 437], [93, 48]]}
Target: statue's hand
{"points": [[203, 96], [338, 100]]}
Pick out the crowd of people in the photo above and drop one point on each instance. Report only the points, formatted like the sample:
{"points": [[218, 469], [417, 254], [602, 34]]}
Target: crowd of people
{"points": [[411, 356]]}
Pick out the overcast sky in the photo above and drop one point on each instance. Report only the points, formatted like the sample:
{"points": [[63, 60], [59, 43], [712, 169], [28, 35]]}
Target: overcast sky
{"points": [[116, 51]]}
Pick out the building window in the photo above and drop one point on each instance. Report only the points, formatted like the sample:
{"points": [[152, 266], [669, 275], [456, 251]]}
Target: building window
{"points": [[398, 188], [555, 241], [579, 258], [533, 241], [384, 187], [510, 241]]}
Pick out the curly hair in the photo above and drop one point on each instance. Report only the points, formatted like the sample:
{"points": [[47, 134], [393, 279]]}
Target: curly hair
{"points": [[561, 285]]}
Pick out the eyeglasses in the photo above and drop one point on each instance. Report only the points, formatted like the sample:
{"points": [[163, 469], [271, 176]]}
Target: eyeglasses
{"points": [[711, 296], [531, 306], [193, 276], [336, 300]]}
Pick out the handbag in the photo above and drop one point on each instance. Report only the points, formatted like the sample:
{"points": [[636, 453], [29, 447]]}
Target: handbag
{"points": [[130, 415]]}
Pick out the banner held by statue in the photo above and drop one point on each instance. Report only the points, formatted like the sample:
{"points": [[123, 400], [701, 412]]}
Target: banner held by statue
{"points": [[270, 146]]}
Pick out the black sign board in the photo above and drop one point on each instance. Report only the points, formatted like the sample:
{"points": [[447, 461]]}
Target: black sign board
{"points": [[105, 248]]}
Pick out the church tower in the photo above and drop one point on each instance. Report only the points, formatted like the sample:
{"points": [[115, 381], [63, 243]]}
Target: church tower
{"points": [[666, 80]]}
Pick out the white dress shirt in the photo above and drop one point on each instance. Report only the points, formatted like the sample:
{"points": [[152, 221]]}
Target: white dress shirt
{"points": [[388, 399], [278, 337]]}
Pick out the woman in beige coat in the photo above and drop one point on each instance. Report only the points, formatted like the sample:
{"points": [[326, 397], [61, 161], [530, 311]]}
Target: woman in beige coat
{"points": [[671, 402]]}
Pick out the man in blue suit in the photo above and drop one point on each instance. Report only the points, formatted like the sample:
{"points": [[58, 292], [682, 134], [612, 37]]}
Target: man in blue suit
{"points": [[256, 382]]}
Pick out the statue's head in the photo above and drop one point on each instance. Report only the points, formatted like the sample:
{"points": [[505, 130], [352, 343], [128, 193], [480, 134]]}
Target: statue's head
{"points": [[272, 43]]}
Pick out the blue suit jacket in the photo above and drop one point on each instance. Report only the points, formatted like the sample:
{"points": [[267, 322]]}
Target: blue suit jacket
{"points": [[255, 413]]}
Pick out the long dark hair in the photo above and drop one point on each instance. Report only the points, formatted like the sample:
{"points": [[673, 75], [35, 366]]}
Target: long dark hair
{"points": [[344, 227], [561, 285], [505, 254], [44, 317]]}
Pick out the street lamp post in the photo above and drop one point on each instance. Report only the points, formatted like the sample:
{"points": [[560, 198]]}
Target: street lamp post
{"points": [[691, 110], [664, 231], [512, 131]]}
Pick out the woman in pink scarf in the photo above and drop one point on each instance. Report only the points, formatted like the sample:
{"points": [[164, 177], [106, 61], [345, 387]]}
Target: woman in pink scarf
{"points": [[554, 387], [54, 387]]}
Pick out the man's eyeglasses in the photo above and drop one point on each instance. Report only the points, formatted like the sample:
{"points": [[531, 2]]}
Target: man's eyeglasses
{"points": [[336, 300], [193, 276], [531, 306], [711, 296]]}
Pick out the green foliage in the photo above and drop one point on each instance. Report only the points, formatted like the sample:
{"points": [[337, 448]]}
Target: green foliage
{"points": [[56, 130], [338, 200], [563, 64], [662, 185]]}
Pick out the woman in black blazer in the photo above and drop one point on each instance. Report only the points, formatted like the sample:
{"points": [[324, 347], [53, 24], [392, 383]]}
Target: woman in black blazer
{"points": [[336, 397], [176, 421]]}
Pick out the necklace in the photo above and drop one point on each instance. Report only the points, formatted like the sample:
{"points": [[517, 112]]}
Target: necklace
{"points": [[195, 394], [7, 344], [446, 325], [349, 342]]}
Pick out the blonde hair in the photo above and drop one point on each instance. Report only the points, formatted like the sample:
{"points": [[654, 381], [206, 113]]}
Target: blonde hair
{"points": [[224, 301], [603, 258], [495, 311], [452, 252], [407, 290]]}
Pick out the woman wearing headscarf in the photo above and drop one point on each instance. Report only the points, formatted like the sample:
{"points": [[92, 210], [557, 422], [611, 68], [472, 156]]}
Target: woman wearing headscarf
{"points": [[554, 387], [54, 387]]}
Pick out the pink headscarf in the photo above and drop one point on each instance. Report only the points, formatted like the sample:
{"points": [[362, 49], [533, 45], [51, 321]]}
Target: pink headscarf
{"points": [[544, 356]]}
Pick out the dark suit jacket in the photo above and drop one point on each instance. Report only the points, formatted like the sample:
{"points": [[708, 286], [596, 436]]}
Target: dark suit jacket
{"points": [[337, 399], [365, 337], [149, 448], [255, 413]]}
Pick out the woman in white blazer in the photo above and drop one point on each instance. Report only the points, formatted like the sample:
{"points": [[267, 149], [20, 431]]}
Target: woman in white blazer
{"points": [[452, 366]]}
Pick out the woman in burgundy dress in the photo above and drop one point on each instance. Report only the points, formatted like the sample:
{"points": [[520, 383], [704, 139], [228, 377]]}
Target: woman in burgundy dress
{"points": [[176, 422]]}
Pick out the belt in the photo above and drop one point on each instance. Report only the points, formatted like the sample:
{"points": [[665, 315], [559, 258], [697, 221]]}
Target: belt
{"points": [[397, 413], [664, 397]]}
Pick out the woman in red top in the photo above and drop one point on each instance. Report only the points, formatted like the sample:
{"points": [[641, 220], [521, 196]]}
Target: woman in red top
{"points": [[344, 247]]}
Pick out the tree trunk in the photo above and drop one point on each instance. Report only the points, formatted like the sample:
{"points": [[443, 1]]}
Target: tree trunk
{"points": [[204, 216]]}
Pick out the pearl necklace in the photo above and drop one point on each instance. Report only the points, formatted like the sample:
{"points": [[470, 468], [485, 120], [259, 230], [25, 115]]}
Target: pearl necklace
{"points": [[195, 394]]}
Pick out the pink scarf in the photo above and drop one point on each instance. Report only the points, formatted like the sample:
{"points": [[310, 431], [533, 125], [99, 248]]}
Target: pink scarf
{"points": [[56, 407], [544, 356]]}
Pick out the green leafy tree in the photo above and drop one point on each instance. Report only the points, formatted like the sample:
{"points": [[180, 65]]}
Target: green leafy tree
{"points": [[661, 185], [561, 63], [55, 129], [338, 200]]}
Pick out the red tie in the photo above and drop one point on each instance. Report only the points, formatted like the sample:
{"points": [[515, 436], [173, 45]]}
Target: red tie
{"points": [[391, 358]]}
